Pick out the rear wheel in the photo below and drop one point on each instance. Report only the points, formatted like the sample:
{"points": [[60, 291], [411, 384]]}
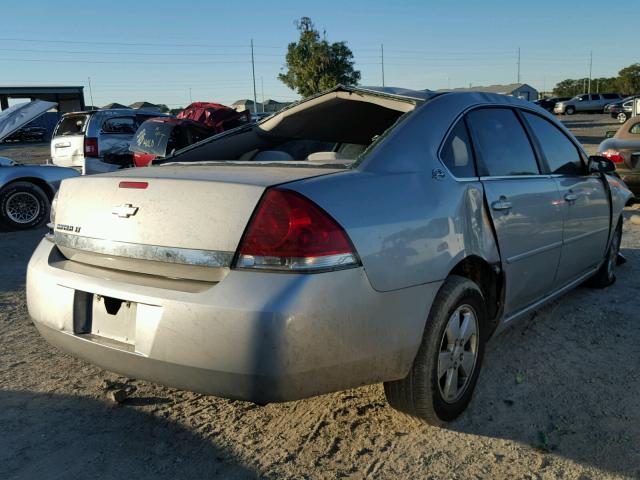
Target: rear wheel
{"points": [[441, 381], [622, 117], [606, 275], [23, 205], [570, 110]]}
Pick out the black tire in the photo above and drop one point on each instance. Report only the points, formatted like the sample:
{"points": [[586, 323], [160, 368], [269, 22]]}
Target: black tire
{"points": [[570, 110], [36, 204], [606, 274], [419, 394], [622, 117]]}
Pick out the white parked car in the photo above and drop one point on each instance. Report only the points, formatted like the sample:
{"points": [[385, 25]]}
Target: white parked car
{"points": [[97, 141]]}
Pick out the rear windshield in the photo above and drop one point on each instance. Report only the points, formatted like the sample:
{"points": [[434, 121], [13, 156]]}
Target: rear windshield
{"points": [[156, 138], [71, 125]]}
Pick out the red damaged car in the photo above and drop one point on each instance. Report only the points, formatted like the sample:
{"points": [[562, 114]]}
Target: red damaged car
{"points": [[160, 137]]}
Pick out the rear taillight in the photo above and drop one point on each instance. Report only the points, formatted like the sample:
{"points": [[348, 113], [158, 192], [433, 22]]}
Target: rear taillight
{"points": [[613, 155], [90, 147], [289, 232]]}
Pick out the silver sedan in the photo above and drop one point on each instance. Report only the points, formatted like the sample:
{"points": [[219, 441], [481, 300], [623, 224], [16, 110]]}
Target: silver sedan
{"points": [[362, 235]]}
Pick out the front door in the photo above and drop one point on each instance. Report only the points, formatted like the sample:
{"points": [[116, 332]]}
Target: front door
{"points": [[584, 200], [524, 205]]}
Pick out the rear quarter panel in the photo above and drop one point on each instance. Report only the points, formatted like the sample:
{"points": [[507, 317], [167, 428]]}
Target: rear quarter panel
{"points": [[408, 225]]}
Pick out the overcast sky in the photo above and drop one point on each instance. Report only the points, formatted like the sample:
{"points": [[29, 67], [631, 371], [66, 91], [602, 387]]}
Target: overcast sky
{"points": [[174, 51]]}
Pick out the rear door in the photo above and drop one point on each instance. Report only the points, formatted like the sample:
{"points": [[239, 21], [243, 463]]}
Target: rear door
{"points": [[524, 205], [584, 200], [67, 143]]}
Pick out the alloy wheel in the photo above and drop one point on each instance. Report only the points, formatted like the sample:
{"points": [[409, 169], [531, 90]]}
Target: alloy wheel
{"points": [[458, 353], [22, 207]]}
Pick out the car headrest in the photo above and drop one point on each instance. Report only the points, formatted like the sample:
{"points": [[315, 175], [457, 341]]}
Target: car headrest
{"points": [[326, 157], [272, 156]]}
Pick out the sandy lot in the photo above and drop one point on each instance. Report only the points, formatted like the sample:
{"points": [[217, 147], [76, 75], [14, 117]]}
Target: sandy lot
{"points": [[558, 397]]}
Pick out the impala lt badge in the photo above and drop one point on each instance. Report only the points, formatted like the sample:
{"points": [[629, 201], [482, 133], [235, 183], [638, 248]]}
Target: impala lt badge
{"points": [[125, 211]]}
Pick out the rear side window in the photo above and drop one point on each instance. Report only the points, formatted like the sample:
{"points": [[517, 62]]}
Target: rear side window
{"points": [[120, 125], [595, 97], [502, 145], [610, 96], [71, 125], [635, 129], [457, 154], [560, 153]]}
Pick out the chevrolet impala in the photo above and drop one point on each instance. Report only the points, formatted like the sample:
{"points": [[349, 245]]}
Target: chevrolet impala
{"points": [[362, 235]]}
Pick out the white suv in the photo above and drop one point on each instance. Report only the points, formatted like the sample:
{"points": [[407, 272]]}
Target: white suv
{"points": [[97, 141]]}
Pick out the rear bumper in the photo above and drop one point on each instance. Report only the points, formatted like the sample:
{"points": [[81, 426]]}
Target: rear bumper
{"points": [[262, 337]]}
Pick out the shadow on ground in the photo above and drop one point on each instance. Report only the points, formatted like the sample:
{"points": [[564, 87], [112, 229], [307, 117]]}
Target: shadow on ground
{"points": [[17, 248], [96, 440]]}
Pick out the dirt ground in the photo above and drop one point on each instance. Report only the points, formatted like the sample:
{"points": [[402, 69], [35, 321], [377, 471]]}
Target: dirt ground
{"points": [[558, 397]]}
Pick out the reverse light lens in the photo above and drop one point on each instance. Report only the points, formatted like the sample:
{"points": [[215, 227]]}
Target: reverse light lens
{"points": [[289, 232], [613, 155]]}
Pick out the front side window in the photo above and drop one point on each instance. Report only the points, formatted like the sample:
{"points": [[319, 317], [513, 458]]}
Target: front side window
{"points": [[502, 145], [560, 153], [457, 154], [119, 125]]}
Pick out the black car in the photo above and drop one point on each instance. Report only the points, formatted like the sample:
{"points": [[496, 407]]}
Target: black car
{"points": [[549, 103], [621, 110], [28, 134]]}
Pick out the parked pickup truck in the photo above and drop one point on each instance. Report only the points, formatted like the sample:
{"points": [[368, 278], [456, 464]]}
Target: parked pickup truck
{"points": [[590, 102], [362, 235]]}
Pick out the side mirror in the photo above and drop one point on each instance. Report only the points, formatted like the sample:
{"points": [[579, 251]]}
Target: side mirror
{"points": [[610, 133], [598, 164]]}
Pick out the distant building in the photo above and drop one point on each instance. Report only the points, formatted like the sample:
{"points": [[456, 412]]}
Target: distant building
{"points": [[268, 106], [69, 99], [149, 107], [111, 105], [519, 90]]}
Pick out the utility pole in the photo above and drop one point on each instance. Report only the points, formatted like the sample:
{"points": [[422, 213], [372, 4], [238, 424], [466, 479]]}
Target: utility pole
{"points": [[382, 61], [262, 89], [590, 68], [253, 70], [91, 92], [518, 65]]}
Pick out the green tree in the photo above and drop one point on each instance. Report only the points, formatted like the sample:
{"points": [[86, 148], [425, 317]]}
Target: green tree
{"points": [[629, 79], [314, 64]]}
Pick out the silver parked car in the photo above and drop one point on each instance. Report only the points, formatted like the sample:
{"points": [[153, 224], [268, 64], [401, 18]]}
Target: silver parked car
{"points": [[362, 235], [26, 191], [97, 141], [594, 103]]}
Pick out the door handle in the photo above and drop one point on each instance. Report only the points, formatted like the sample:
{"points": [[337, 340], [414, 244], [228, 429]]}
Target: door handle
{"points": [[501, 204], [570, 197]]}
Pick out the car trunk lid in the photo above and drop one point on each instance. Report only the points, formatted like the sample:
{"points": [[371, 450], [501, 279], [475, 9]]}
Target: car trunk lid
{"points": [[175, 221]]}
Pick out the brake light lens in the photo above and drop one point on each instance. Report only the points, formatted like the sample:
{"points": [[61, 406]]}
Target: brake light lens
{"points": [[613, 155], [288, 232], [90, 147]]}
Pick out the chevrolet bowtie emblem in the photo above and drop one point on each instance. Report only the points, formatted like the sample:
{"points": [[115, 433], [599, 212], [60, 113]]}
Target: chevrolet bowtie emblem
{"points": [[125, 211]]}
